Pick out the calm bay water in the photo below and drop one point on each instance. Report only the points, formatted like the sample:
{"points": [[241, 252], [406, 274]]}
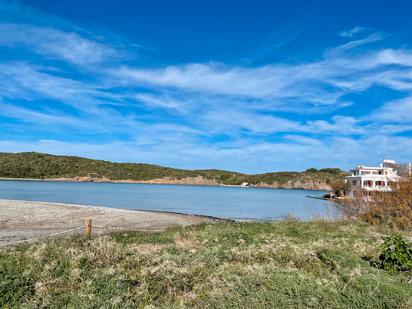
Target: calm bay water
{"points": [[223, 202]]}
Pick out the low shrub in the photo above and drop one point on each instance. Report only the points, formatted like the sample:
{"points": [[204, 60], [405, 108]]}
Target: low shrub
{"points": [[396, 254]]}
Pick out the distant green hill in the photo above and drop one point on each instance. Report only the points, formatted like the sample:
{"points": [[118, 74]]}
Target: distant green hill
{"points": [[44, 166]]}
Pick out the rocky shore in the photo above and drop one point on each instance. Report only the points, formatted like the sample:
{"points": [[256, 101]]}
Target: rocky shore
{"points": [[195, 181]]}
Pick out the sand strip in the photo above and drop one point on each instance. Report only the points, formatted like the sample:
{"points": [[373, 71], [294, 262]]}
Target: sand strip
{"points": [[23, 220]]}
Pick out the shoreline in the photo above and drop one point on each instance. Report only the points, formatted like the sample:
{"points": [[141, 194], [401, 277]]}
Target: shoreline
{"points": [[22, 221], [156, 182], [121, 209], [98, 207]]}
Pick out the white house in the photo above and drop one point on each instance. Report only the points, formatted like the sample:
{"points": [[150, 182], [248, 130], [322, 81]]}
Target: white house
{"points": [[372, 179]]}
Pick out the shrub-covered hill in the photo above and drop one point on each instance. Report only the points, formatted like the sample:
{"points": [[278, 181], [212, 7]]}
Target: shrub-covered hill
{"points": [[45, 166]]}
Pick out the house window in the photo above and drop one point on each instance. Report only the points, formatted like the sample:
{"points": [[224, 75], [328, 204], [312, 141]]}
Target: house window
{"points": [[367, 183], [354, 182]]}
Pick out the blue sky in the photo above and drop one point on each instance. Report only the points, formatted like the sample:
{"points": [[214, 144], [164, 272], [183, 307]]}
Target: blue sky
{"points": [[252, 86]]}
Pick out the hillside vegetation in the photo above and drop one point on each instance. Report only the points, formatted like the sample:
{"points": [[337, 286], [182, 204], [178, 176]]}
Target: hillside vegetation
{"points": [[45, 166], [287, 264]]}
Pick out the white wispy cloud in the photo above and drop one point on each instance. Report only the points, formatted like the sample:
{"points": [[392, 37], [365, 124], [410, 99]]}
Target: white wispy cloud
{"points": [[398, 111], [54, 43], [42, 118], [23, 80], [352, 32], [338, 125], [322, 81], [229, 121], [371, 38], [160, 101]]}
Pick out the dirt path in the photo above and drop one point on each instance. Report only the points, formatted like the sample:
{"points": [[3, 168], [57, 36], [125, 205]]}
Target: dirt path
{"points": [[22, 220]]}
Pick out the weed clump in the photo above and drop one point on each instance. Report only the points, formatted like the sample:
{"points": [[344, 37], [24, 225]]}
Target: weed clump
{"points": [[396, 254]]}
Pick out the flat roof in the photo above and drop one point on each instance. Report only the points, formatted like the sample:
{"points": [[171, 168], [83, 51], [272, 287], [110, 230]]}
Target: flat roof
{"points": [[371, 168]]}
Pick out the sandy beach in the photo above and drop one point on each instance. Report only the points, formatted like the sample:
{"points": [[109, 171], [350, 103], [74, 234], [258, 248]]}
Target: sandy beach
{"points": [[25, 220]]}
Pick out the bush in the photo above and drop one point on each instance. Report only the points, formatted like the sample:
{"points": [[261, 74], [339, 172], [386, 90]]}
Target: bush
{"points": [[391, 208], [336, 171], [339, 187], [396, 254]]}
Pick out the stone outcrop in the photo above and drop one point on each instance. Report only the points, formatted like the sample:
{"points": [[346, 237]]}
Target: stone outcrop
{"points": [[304, 185]]}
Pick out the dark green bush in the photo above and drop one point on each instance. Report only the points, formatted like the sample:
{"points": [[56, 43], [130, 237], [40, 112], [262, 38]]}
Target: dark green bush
{"points": [[396, 254], [336, 171], [311, 170]]}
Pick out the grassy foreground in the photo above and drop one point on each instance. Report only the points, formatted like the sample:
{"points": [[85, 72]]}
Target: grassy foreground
{"points": [[287, 264]]}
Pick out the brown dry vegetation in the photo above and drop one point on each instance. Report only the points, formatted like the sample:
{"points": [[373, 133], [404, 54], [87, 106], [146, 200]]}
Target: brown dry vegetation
{"points": [[389, 208]]}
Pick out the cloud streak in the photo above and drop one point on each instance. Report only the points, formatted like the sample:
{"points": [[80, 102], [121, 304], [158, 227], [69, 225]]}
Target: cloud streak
{"points": [[352, 32], [57, 44], [315, 82]]}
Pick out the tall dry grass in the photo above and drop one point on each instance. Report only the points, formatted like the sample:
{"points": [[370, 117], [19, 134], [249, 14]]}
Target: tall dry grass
{"points": [[392, 208], [285, 264]]}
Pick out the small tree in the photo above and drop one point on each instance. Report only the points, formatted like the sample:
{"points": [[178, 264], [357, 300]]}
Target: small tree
{"points": [[339, 187]]}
